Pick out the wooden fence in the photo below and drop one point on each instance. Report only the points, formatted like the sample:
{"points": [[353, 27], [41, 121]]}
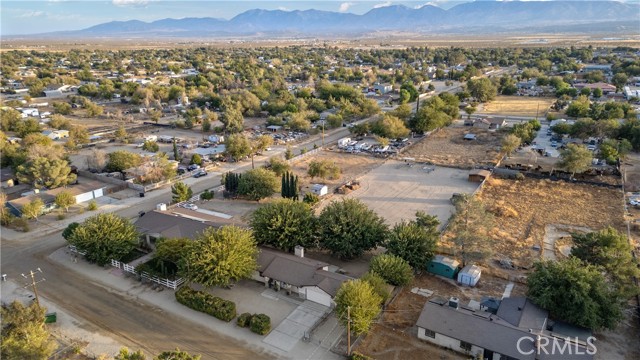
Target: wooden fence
{"points": [[172, 284]]}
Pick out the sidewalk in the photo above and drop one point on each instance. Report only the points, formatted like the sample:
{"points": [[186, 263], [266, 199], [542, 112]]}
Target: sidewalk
{"points": [[115, 279]]}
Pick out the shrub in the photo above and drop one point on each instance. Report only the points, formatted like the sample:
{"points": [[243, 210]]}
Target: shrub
{"points": [[244, 320], [358, 356], [200, 301], [93, 205], [22, 224], [260, 324], [311, 199], [378, 284], [393, 269], [61, 216], [207, 195]]}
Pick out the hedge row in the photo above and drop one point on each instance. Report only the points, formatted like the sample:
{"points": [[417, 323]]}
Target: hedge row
{"points": [[258, 323], [206, 303]]}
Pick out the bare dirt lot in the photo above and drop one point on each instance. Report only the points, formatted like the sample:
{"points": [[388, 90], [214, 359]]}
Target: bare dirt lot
{"points": [[448, 148], [351, 166], [631, 168], [395, 334], [518, 106], [396, 190], [524, 208]]}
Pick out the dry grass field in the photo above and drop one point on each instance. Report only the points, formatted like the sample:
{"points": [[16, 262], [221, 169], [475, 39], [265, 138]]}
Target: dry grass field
{"points": [[448, 148], [524, 209], [518, 106]]}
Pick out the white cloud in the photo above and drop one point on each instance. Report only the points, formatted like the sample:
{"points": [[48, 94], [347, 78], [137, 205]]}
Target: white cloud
{"points": [[30, 14], [381, 5], [282, 8], [130, 2], [344, 7]]}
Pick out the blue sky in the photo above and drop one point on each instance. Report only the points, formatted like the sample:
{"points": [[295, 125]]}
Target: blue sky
{"points": [[32, 17]]}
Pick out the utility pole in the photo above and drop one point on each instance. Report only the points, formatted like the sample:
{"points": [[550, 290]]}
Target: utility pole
{"points": [[33, 283], [348, 330]]}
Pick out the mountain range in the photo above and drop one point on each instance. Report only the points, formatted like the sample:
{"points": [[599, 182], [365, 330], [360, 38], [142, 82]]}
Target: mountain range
{"points": [[469, 18]]}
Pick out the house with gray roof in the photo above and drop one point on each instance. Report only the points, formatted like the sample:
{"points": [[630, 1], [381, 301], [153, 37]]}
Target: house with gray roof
{"points": [[307, 278], [519, 330]]}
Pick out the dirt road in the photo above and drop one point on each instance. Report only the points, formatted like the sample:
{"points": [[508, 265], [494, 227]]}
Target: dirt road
{"points": [[135, 324]]}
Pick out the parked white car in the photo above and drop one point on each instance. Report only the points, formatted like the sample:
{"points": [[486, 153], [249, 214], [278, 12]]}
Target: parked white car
{"points": [[189, 206]]}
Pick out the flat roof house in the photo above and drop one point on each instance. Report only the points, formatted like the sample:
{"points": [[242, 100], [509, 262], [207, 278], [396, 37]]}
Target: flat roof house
{"points": [[519, 330]]}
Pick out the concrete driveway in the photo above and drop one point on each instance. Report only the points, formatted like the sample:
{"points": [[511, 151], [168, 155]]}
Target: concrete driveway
{"points": [[293, 328]]}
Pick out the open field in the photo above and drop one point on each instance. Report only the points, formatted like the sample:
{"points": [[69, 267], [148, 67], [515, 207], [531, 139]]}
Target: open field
{"points": [[352, 166], [518, 106], [396, 191], [395, 335], [448, 148], [524, 209]]}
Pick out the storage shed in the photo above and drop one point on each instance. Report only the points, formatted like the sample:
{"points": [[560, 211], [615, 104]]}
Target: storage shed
{"points": [[319, 189], [478, 175], [469, 275], [444, 266]]}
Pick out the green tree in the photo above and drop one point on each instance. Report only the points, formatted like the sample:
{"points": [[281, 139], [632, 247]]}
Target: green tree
{"points": [[176, 153], [393, 269], [324, 169], [232, 119], [348, 228], [579, 107], [181, 192], [278, 166], [289, 187], [402, 112], [575, 292], [222, 256], [469, 110], [122, 160], [237, 146], [378, 284], [79, 134], [482, 89], [105, 237], [611, 250], [414, 243], [575, 158], [125, 354], [311, 199], [196, 159], [150, 146], [46, 173], [24, 335], [288, 153], [619, 80], [32, 209], [231, 181], [171, 253], [358, 298], [510, 143], [390, 127], [469, 228], [257, 184], [411, 89], [597, 93], [284, 224], [93, 109], [62, 108], [66, 233], [64, 199]]}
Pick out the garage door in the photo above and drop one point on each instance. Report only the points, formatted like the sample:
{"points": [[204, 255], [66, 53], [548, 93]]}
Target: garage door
{"points": [[316, 295], [84, 197]]}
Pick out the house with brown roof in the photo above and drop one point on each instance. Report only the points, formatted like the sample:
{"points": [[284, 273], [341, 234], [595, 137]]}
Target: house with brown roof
{"points": [[518, 330], [307, 278]]}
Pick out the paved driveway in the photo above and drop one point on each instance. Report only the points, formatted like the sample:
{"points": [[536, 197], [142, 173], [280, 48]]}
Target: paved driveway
{"points": [[292, 329]]}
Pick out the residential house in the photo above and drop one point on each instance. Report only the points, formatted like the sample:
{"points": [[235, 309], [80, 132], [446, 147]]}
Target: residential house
{"points": [[307, 278], [606, 88], [496, 123], [175, 223], [382, 89], [56, 134], [82, 192], [59, 90], [481, 123], [518, 330]]}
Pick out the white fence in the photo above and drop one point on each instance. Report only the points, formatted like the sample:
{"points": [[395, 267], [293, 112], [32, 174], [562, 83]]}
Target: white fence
{"points": [[73, 249], [164, 282]]}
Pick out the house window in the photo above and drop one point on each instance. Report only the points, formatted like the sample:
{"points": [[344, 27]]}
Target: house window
{"points": [[465, 346], [429, 333]]}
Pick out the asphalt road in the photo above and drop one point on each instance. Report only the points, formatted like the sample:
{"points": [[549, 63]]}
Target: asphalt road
{"points": [[133, 323]]}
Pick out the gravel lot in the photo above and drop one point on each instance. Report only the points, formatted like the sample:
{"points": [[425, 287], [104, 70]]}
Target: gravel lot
{"points": [[396, 190]]}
